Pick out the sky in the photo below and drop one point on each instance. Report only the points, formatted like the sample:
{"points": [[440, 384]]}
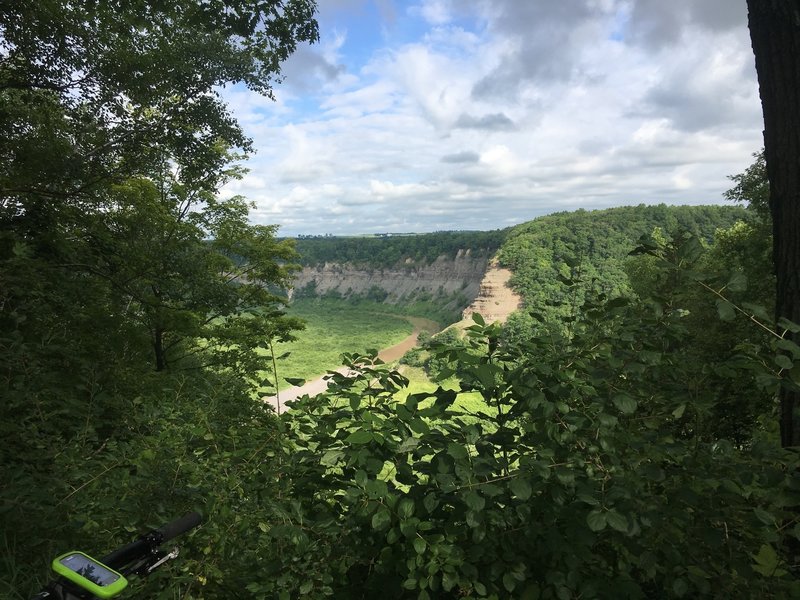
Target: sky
{"points": [[432, 115]]}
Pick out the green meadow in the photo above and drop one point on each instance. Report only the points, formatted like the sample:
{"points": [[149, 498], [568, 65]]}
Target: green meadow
{"points": [[334, 327]]}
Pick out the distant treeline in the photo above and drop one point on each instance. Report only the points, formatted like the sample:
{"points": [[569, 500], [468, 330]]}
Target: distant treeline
{"points": [[388, 251], [594, 245]]}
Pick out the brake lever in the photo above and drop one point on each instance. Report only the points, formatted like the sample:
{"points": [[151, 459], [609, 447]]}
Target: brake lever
{"points": [[162, 560]]}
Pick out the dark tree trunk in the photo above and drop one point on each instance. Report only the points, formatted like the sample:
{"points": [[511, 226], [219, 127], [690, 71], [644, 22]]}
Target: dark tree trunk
{"points": [[158, 348], [775, 35]]}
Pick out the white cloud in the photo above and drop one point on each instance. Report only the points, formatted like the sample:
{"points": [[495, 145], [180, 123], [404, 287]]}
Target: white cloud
{"points": [[476, 114], [435, 12]]}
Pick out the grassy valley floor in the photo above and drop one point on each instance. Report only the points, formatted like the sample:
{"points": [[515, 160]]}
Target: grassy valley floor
{"points": [[334, 327]]}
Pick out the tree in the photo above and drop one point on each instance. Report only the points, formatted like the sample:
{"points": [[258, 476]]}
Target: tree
{"points": [[752, 186], [133, 299], [113, 144], [96, 90], [775, 34]]}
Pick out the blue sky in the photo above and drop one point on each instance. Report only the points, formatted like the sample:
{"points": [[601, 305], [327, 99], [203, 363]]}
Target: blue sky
{"points": [[479, 114]]}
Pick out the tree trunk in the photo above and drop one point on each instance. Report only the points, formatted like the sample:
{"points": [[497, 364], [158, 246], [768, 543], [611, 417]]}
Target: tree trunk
{"points": [[775, 35], [158, 349]]}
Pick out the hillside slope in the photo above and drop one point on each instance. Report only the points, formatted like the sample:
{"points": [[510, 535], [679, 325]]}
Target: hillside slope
{"points": [[591, 247]]}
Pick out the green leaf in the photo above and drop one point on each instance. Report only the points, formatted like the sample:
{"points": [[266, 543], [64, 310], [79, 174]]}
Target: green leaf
{"points": [[607, 420], [408, 527], [788, 325], [509, 582], [430, 502], [617, 521], [678, 412], [790, 347], [408, 444], [737, 282], [726, 311], [521, 488], [419, 545], [783, 361], [624, 403], [767, 560], [381, 519], [757, 311], [361, 478], [680, 587], [473, 518], [596, 520], [474, 500], [449, 581], [306, 587], [478, 318], [457, 451], [360, 436], [295, 381], [419, 426], [410, 583], [393, 536], [588, 499], [406, 508]]}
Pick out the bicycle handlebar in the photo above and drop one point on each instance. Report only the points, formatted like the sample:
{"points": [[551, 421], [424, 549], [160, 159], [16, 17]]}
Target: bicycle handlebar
{"points": [[141, 556], [130, 552], [179, 526]]}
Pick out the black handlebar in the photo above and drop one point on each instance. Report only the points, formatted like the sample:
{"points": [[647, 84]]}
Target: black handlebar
{"points": [[140, 557], [179, 526], [149, 541]]}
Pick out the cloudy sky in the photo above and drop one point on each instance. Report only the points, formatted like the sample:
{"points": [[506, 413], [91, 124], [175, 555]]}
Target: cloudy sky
{"points": [[426, 115]]}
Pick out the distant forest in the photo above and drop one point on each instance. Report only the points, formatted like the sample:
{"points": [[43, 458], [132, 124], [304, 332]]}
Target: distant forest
{"points": [[593, 246], [385, 252]]}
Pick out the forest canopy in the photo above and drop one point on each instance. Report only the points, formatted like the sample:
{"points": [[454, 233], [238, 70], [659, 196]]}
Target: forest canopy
{"points": [[387, 251]]}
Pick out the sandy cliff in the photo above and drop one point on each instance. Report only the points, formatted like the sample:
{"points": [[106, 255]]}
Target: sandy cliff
{"points": [[496, 300]]}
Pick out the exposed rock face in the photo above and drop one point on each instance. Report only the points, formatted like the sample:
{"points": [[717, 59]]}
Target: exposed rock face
{"points": [[454, 282], [496, 300]]}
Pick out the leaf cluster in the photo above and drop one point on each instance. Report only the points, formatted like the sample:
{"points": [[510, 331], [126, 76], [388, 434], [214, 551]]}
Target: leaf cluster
{"points": [[582, 481]]}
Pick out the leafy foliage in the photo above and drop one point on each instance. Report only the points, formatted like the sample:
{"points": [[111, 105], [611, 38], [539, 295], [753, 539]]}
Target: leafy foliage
{"points": [[133, 301], [582, 483], [752, 186], [392, 251], [591, 247]]}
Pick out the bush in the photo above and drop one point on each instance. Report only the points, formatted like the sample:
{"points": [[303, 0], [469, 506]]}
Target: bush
{"points": [[576, 487]]}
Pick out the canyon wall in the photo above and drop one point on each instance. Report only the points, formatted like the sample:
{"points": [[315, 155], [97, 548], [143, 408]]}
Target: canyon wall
{"points": [[453, 281], [464, 284]]}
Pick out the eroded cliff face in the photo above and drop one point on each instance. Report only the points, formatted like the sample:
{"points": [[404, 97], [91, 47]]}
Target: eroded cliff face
{"points": [[496, 300], [455, 282], [464, 284]]}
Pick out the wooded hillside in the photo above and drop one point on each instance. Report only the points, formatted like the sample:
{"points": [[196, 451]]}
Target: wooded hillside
{"points": [[388, 251], [594, 245]]}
